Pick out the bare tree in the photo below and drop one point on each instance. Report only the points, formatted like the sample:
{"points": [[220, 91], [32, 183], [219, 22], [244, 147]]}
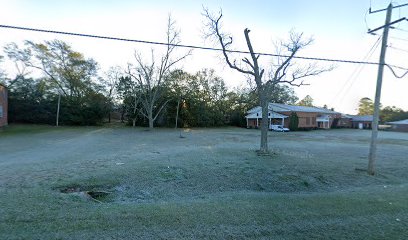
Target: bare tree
{"points": [[151, 77], [110, 81], [129, 93], [284, 69]]}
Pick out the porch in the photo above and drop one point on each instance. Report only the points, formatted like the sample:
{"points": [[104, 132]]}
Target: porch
{"points": [[323, 121], [275, 119]]}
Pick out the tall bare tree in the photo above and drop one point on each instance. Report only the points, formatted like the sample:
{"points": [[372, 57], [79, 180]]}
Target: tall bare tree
{"points": [[151, 76], [111, 81], [284, 69], [129, 93]]}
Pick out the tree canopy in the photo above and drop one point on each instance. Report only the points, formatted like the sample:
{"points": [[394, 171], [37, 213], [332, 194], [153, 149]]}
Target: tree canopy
{"points": [[306, 101]]}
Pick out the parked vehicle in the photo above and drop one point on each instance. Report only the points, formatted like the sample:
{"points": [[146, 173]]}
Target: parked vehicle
{"points": [[279, 128]]}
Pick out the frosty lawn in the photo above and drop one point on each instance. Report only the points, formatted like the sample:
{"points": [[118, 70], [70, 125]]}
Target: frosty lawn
{"points": [[209, 184]]}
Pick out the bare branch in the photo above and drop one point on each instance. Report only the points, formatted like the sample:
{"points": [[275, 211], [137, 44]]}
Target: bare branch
{"points": [[214, 26]]}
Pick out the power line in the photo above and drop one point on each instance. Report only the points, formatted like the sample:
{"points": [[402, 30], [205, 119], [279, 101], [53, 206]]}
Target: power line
{"points": [[400, 29], [356, 71], [401, 39], [359, 70], [389, 24], [399, 49], [393, 72], [182, 45], [384, 9]]}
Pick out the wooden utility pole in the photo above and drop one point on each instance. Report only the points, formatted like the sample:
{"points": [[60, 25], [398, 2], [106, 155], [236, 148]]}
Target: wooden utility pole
{"points": [[373, 145], [58, 108]]}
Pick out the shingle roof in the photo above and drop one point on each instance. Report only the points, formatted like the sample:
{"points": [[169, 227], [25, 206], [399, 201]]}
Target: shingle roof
{"points": [[362, 118], [278, 107], [405, 122], [272, 114]]}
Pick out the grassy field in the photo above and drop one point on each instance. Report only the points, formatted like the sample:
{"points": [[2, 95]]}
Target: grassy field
{"points": [[209, 184]]}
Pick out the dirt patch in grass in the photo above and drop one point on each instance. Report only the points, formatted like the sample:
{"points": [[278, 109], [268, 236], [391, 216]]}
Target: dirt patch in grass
{"points": [[90, 193]]}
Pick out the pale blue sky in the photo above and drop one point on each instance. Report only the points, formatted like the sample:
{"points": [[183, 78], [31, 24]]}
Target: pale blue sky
{"points": [[338, 27]]}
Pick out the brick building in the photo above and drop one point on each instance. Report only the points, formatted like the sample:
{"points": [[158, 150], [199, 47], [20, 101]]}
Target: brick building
{"points": [[3, 106]]}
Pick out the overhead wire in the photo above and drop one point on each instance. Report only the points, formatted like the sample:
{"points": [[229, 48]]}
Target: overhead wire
{"points": [[397, 38], [400, 29], [183, 45], [351, 80], [190, 46], [396, 48], [393, 72]]}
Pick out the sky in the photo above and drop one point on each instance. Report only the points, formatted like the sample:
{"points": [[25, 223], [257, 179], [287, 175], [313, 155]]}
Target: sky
{"points": [[339, 29]]}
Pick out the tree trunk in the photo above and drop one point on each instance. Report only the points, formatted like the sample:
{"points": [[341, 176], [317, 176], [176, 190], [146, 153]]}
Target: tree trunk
{"points": [[264, 125], [151, 123], [122, 115], [150, 117], [178, 104], [134, 122]]}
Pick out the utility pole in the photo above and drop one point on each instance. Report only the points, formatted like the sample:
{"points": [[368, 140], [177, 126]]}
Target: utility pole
{"points": [[58, 108], [373, 145]]}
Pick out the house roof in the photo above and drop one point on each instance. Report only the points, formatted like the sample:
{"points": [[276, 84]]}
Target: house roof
{"points": [[279, 107], [293, 108], [405, 122], [362, 118], [346, 116], [272, 115], [323, 118]]}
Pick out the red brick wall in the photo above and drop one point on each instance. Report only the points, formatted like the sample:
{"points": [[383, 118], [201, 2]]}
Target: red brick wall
{"points": [[252, 123], [4, 105], [399, 127], [344, 122], [306, 119]]}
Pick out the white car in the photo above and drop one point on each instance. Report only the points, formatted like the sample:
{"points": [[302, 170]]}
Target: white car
{"points": [[279, 128]]}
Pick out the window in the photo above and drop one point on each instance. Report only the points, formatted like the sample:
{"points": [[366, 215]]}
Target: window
{"points": [[313, 120], [308, 121], [1, 111]]}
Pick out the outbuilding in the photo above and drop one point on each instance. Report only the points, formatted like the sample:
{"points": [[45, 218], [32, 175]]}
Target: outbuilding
{"points": [[362, 121], [399, 126], [3, 106]]}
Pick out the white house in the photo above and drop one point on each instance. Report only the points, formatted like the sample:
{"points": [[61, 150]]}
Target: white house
{"points": [[279, 114], [254, 118]]}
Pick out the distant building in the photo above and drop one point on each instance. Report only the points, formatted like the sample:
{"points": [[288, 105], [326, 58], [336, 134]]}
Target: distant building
{"points": [[399, 126], [362, 121], [279, 114], [344, 121], [3, 106]]}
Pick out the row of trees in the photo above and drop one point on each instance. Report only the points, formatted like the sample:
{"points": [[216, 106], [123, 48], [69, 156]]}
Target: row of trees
{"points": [[387, 114], [51, 75], [151, 88]]}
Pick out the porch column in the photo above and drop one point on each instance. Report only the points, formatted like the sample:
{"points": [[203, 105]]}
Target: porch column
{"points": [[247, 123], [283, 122]]}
